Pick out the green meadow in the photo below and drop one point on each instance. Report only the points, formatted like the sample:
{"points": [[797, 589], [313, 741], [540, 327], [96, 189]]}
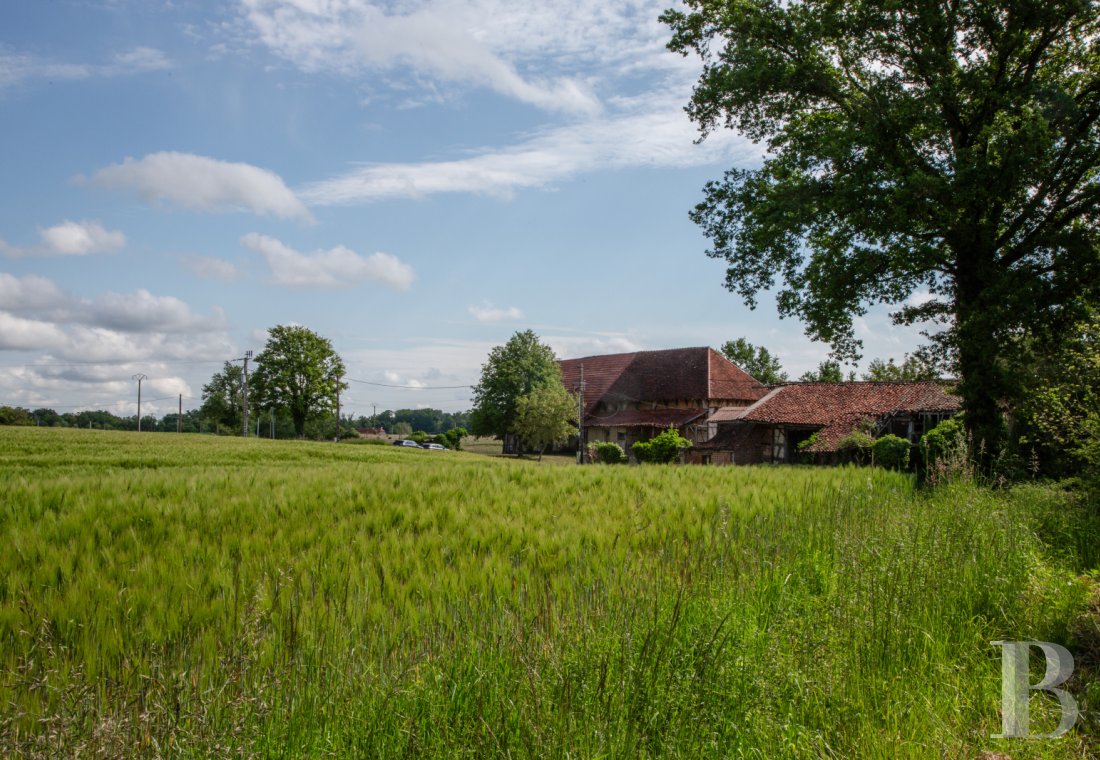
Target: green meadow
{"points": [[190, 596]]}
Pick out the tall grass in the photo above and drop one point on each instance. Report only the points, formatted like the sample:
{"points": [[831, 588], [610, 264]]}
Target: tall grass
{"points": [[187, 596]]}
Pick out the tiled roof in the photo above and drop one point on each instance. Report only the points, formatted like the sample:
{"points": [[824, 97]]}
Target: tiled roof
{"points": [[728, 414], [728, 438], [656, 376], [646, 418], [837, 408]]}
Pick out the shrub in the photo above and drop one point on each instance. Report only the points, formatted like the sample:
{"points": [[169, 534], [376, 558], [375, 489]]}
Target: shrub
{"points": [[943, 451], [662, 448], [609, 452], [891, 452], [454, 438], [856, 447]]}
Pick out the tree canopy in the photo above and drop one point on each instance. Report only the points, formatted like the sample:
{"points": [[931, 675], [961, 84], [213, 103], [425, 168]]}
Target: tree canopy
{"points": [[911, 368], [946, 151], [222, 396], [511, 371], [543, 415], [827, 372], [298, 371], [756, 360]]}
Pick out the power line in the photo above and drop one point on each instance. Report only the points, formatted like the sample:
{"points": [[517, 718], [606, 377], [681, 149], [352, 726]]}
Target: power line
{"points": [[413, 387], [117, 362]]}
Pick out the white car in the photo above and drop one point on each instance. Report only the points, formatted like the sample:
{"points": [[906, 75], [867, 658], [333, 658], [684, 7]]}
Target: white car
{"points": [[434, 446]]}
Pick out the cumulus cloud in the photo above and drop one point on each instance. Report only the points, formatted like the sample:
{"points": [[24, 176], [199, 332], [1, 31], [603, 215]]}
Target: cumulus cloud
{"points": [[70, 239], [653, 132], [575, 346], [18, 334], [199, 183], [487, 313], [17, 68], [38, 315], [30, 294], [438, 41], [333, 268], [211, 268]]}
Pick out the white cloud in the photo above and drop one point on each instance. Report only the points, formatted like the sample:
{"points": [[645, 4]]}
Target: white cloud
{"points": [[486, 312], [654, 132], [70, 239], [18, 334], [211, 268], [200, 183], [30, 293], [141, 311], [575, 346], [38, 315], [333, 268], [16, 68], [441, 41]]}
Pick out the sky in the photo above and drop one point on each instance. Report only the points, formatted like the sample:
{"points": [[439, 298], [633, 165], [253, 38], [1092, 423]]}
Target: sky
{"points": [[413, 180]]}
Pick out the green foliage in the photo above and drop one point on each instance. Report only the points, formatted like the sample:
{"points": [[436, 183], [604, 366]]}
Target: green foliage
{"points": [[298, 371], [511, 371], [427, 419], [401, 428], [1060, 416], [856, 447], [608, 452], [15, 415], [913, 367], [923, 148], [543, 415], [756, 360], [891, 452], [222, 399], [663, 448], [453, 438], [827, 372], [195, 596], [943, 451]]}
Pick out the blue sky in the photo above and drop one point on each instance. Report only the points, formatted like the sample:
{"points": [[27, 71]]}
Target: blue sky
{"points": [[414, 180]]}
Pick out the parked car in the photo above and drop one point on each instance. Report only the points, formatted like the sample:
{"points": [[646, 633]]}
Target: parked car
{"points": [[434, 446], [403, 442]]}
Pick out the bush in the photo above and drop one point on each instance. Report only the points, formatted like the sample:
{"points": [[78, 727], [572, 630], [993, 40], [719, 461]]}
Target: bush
{"points": [[943, 451], [454, 438], [856, 447], [662, 448], [608, 452], [891, 452]]}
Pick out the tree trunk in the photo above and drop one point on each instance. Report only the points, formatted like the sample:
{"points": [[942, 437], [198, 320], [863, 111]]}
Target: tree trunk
{"points": [[983, 383]]}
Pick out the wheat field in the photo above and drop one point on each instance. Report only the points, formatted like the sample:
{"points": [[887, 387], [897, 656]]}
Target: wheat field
{"points": [[193, 596]]}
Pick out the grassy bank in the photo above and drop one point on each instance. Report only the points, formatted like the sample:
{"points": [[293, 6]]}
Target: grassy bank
{"points": [[192, 596]]}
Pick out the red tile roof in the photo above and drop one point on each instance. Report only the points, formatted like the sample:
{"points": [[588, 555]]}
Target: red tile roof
{"points": [[660, 376], [837, 408], [661, 418]]}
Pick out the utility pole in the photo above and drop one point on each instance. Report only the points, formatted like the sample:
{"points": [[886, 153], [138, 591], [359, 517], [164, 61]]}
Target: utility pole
{"points": [[139, 377], [244, 396], [580, 420], [179, 417], [273, 424], [337, 438], [374, 415]]}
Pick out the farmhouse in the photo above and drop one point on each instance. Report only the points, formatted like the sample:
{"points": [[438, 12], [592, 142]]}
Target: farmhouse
{"points": [[819, 416], [631, 397]]}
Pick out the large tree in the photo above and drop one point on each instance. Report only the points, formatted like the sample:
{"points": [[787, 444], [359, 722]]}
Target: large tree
{"points": [[756, 360], [221, 398], [948, 148], [543, 416], [298, 371], [511, 371]]}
